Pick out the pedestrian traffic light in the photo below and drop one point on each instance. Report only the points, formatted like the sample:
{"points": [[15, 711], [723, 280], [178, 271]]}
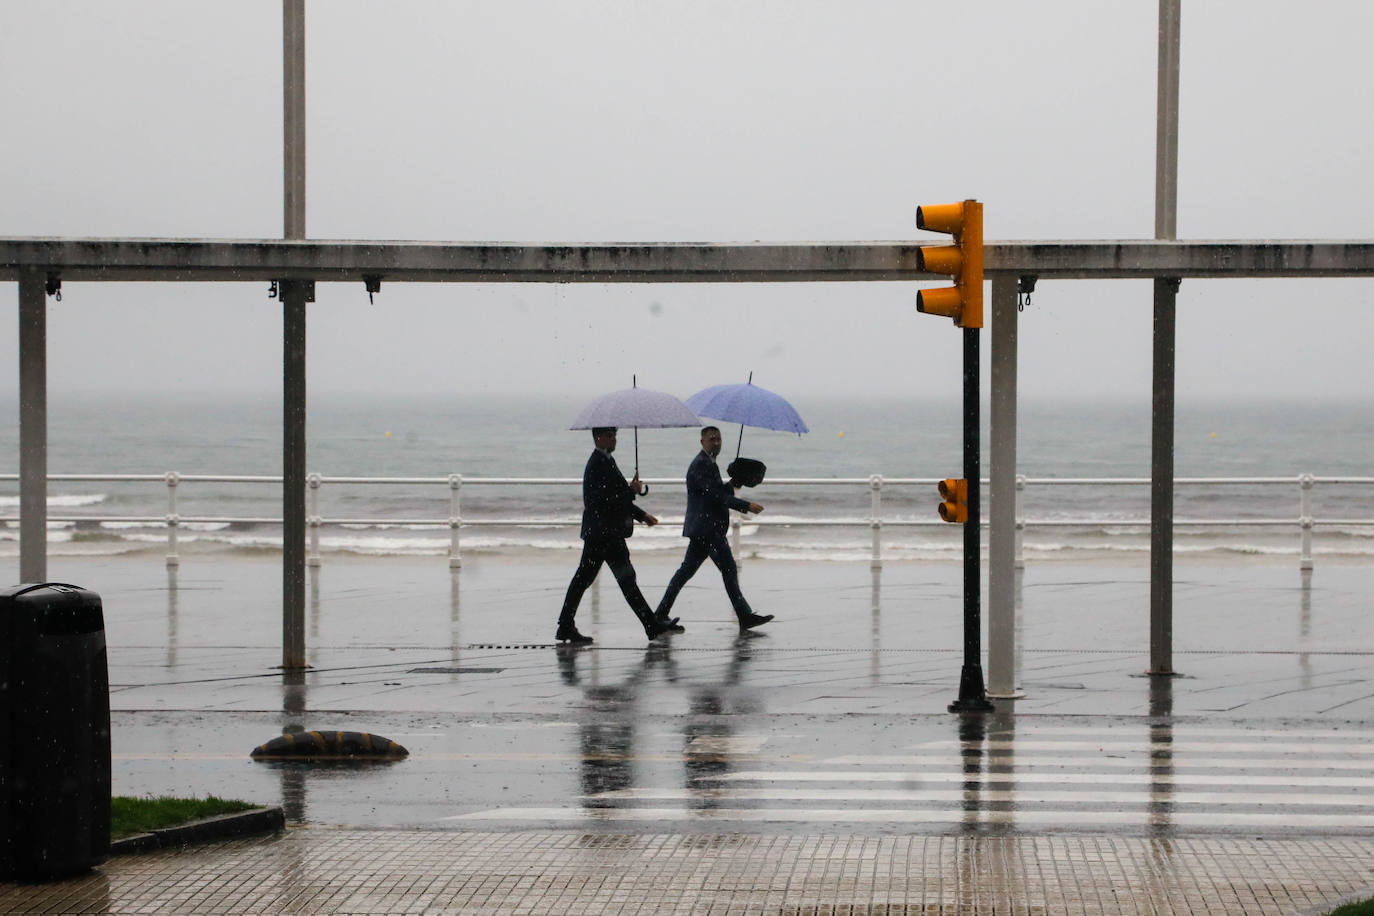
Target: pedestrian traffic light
{"points": [[954, 492], [963, 260]]}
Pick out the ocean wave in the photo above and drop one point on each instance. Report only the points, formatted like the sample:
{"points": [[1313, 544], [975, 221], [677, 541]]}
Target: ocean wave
{"points": [[57, 534], [71, 501], [162, 526]]}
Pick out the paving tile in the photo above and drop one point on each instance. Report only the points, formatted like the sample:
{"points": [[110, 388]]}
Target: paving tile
{"points": [[339, 870]]}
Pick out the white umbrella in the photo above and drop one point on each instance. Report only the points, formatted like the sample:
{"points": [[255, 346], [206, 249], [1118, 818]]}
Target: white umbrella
{"points": [[636, 407]]}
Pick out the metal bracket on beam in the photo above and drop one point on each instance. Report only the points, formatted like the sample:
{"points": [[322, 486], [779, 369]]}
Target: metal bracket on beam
{"points": [[1174, 282], [53, 286], [373, 284], [278, 289]]}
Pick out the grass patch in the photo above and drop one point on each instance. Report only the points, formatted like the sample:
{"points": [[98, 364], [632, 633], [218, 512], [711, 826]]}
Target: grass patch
{"points": [[129, 815], [1354, 909]]}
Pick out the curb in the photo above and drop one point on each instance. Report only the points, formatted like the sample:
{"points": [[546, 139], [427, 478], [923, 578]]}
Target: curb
{"points": [[220, 827]]}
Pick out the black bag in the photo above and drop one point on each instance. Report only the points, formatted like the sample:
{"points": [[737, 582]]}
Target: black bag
{"points": [[746, 472]]}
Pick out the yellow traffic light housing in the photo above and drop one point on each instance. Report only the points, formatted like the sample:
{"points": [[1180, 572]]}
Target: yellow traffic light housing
{"points": [[963, 261], [954, 492]]}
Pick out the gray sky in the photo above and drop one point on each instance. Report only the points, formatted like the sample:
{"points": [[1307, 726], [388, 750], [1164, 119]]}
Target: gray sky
{"points": [[600, 121]]}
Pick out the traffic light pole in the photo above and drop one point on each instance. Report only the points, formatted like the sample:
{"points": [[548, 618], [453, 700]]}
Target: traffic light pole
{"points": [[972, 693]]}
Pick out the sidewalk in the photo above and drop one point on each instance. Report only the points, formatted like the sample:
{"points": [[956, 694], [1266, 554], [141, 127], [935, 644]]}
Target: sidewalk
{"points": [[345, 871], [811, 766]]}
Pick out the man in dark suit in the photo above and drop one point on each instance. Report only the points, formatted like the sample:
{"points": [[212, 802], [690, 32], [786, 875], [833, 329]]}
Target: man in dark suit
{"points": [[608, 517], [709, 501]]}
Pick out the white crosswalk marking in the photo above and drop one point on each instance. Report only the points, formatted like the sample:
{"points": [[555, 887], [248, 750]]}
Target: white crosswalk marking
{"points": [[1059, 778], [982, 794], [1030, 818], [1118, 776], [1136, 762], [1190, 746]]}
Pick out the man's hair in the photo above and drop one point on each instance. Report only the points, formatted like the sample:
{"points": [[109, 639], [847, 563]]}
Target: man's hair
{"points": [[709, 429], [602, 431]]}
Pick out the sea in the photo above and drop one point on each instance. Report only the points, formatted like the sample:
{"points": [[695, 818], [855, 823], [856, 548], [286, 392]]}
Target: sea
{"points": [[427, 439]]}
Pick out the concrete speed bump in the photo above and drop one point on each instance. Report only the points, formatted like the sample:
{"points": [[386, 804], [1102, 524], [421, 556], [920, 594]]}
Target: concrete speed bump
{"points": [[329, 746]]}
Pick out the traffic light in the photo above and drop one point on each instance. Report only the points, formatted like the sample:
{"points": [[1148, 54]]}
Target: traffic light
{"points": [[954, 492], [963, 260]]}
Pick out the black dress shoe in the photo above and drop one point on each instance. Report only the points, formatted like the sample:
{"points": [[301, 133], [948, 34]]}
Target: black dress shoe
{"points": [[750, 621], [570, 635], [654, 628], [669, 624]]}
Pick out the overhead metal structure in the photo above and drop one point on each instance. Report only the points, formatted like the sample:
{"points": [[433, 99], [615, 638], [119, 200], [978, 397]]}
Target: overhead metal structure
{"points": [[42, 264], [294, 265], [265, 260]]}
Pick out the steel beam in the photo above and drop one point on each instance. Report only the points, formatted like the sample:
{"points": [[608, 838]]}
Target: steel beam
{"points": [[33, 428], [189, 260], [293, 298], [1002, 494], [1162, 481], [293, 118], [1166, 122]]}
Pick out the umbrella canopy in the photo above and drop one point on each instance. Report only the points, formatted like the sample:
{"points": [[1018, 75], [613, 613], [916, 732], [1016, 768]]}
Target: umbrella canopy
{"points": [[637, 407], [747, 405]]}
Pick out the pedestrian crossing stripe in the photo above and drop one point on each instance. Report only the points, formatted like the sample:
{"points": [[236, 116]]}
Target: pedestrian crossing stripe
{"points": [[981, 794], [1174, 779], [1029, 778], [1163, 758], [1017, 818], [1324, 734], [1190, 746]]}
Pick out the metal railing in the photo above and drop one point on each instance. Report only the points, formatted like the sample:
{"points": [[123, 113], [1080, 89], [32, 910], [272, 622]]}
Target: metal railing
{"points": [[876, 484]]}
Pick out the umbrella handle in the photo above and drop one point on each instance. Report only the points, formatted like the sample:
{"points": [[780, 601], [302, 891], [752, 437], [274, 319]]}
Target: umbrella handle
{"points": [[645, 486], [741, 433]]}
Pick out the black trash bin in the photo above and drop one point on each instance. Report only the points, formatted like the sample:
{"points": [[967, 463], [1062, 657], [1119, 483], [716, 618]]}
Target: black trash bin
{"points": [[54, 731]]}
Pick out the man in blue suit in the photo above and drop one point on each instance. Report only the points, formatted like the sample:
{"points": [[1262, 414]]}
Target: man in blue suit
{"points": [[608, 517], [709, 501]]}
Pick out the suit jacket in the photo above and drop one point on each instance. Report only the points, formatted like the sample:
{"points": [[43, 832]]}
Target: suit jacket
{"points": [[607, 500], [709, 499]]}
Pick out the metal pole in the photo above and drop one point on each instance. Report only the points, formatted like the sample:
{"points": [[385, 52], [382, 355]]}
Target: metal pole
{"points": [[1165, 300], [1162, 482], [293, 297], [293, 117], [875, 520], [1305, 483], [173, 519], [455, 521], [1166, 123], [972, 695], [312, 558], [33, 428], [294, 294], [1003, 494]]}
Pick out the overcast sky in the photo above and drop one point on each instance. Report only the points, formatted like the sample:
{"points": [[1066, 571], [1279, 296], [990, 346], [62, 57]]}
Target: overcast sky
{"points": [[775, 120]]}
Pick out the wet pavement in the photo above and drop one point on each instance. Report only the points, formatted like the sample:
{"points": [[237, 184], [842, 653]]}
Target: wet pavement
{"points": [[827, 727]]}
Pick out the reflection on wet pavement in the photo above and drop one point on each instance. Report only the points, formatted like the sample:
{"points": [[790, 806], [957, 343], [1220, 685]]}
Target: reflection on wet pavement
{"points": [[834, 715]]}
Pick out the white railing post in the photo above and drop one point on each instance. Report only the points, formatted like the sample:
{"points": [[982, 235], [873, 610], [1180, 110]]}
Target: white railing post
{"points": [[313, 558], [173, 519], [734, 539], [1305, 484], [1020, 519], [455, 521], [875, 520]]}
